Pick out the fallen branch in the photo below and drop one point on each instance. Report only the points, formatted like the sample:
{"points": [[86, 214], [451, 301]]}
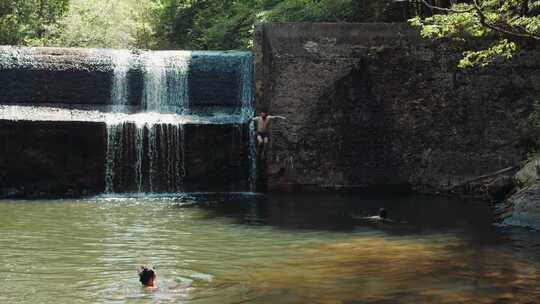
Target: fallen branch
{"points": [[481, 177]]}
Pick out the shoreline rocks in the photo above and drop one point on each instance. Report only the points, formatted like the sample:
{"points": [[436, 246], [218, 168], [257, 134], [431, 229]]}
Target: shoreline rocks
{"points": [[523, 207]]}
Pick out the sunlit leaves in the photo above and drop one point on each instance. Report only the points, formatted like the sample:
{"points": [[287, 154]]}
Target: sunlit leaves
{"points": [[502, 49], [25, 21], [509, 19], [229, 24], [454, 25]]}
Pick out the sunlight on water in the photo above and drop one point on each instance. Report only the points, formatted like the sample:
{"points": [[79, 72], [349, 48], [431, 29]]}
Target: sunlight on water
{"points": [[232, 248], [82, 114], [153, 118]]}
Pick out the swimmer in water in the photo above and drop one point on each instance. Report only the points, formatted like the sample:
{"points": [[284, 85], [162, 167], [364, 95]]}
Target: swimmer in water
{"points": [[147, 277], [383, 216]]}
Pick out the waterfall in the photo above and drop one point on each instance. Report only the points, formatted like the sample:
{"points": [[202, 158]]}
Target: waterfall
{"points": [[146, 150], [119, 92], [115, 129], [247, 112], [148, 101], [145, 157], [165, 82], [154, 160]]}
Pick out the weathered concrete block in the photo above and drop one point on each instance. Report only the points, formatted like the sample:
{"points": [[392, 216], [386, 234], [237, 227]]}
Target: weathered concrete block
{"points": [[85, 76], [39, 159], [68, 159], [366, 101]]}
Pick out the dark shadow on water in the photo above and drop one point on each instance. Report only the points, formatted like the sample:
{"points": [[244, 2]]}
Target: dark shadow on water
{"points": [[408, 214]]}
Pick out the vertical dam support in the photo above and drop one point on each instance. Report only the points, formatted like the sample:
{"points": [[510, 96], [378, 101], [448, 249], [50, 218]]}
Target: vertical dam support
{"points": [[89, 121], [375, 106]]}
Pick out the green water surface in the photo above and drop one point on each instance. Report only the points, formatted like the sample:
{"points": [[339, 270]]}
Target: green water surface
{"points": [[246, 248]]}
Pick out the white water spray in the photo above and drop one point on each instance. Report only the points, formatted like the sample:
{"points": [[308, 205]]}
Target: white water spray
{"points": [[146, 150]]}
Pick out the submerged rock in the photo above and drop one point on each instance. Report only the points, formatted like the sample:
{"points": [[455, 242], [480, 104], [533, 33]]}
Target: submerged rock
{"points": [[524, 207]]}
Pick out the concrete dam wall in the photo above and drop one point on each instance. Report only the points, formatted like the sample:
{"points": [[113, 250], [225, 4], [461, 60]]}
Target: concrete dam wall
{"points": [[373, 105], [368, 106], [88, 121]]}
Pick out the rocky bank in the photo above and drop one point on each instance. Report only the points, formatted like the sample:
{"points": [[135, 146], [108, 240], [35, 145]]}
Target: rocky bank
{"points": [[523, 207]]}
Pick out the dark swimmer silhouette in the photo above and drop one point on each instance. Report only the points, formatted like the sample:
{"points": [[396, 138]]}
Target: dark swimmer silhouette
{"points": [[147, 276]]}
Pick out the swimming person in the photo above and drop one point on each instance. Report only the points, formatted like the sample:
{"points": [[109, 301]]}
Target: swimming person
{"points": [[263, 130], [383, 214], [381, 217], [147, 277]]}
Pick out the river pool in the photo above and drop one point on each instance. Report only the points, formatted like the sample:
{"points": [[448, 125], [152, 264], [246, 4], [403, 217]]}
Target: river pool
{"points": [[248, 248]]}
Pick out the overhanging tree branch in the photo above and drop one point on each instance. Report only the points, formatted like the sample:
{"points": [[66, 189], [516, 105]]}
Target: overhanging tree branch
{"points": [[449, 10], [499, 29], [483, 20]]}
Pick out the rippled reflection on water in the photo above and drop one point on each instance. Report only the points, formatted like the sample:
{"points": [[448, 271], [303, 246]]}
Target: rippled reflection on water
{"points": [[264, 249]]}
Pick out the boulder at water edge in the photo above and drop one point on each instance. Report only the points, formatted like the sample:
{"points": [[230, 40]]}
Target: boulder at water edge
{"points": [[524, 205]]}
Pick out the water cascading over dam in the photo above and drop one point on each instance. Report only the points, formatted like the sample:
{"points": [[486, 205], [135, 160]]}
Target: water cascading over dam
{"points": [[170, 121], [155, 146]]}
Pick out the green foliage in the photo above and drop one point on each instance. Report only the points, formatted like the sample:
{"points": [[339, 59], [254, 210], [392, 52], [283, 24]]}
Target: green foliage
{"points": [[110, 24], [501, 49], [508, 23], [311, 11], [171, 24], [228, 24], [29, 21]]}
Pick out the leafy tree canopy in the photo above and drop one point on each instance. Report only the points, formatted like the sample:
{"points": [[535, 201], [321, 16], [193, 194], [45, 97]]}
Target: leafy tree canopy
{"points": [[186, 24], [104, 23], [508, 24], [25, 21], [228, 24]]}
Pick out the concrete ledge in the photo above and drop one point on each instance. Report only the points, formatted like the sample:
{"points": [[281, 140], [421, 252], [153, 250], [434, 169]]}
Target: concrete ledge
{"points": [[67, 158], [85, 76]]}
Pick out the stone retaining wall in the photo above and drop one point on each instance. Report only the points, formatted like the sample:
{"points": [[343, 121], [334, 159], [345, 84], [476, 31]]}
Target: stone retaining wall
{"points": [[373, 105]]}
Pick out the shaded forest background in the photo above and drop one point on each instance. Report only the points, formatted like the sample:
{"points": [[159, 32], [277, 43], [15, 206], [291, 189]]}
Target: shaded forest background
{"points": [[497, 28], [175, 24]]}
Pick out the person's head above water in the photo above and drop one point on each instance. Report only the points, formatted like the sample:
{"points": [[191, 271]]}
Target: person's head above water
{"points": [[147, 276], [383, 213]]}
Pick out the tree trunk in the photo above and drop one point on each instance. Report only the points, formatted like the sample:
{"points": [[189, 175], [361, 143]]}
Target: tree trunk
{"points": [[524, 11]]}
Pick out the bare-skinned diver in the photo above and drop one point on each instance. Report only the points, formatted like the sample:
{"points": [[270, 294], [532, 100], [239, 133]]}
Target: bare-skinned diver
{"points": [[263, 124]]}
